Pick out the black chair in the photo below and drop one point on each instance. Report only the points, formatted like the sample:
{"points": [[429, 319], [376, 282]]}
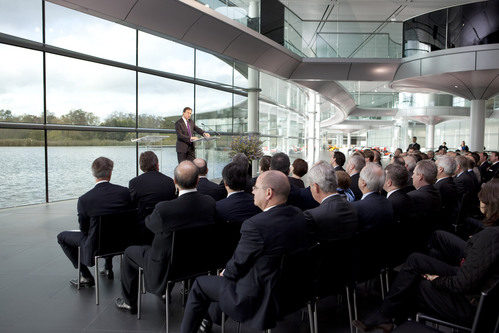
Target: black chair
{"points": [[228, 235], [486, 318], [113, 235], [186, 261], [333, 272], [295, 269]]}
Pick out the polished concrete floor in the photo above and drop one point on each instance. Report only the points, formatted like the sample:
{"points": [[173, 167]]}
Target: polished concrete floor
{"points": [[35, 295]]}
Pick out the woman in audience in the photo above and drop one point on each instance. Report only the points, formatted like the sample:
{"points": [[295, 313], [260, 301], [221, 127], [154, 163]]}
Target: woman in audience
{"points": [[298, 169], [344, 183], [447, 283], [264, 165]]}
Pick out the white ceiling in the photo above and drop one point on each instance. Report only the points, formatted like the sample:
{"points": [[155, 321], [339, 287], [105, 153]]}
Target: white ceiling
{"points": [[366, 10]]}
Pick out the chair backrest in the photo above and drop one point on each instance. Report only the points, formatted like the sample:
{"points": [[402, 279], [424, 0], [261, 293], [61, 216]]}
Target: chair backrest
{"points": [[114, 232], [487, 313], [226, 240], [193, 252], [370, 253]]}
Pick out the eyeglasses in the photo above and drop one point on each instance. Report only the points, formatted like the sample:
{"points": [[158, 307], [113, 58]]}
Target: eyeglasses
{"points": [[260, 188]]}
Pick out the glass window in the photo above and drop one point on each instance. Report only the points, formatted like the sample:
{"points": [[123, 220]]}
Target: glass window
{"points": [[165, 55], [163, 145], [21, 85], [23, 157], [240, 75], [70, 156], [213, 109], [240, 115], [213, 68], [161, 101], [21, 18], [216, 153], [84, 93], [88, 34], [268, 119]]}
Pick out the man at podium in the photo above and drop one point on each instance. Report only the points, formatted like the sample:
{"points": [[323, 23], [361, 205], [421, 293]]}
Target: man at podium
{"points": [[185, 128]]}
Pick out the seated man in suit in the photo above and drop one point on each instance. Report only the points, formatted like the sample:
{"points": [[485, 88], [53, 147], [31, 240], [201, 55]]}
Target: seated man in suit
{"points": [[410, 164], [493, 170], [373, 210], [244, 289], [483, 165], [204, 185], [238, 206], [463, 180], [354, 166], [190, 209], [446, 166], [338, 160], [335, 218], [105, 198], [426, 198], [148, 189]]}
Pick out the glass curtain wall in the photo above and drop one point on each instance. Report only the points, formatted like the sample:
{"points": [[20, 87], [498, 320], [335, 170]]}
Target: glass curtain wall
{"points": [[108, 85]]}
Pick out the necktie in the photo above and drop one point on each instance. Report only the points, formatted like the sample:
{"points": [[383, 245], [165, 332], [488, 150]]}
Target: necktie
{"points": [[189, 129]]}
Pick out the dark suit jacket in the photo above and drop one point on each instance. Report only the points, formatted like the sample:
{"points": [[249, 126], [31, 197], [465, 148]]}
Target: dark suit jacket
{"points": [[183, 138], [105, 198], [355, 186], [237, 208], [375, 211], [301, 198], [250, 275], [188, 210], [334, 219], [428, 204], [403, 207], [450, 200], [492, 172], [414, 146], [148, 189], [464, 183], [338, 168], [210, 188], [296, 182], [483, 170]]}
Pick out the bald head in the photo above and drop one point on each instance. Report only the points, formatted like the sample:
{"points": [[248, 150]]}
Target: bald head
{"points": [[186, 175], [271, 188], [202, 166]]}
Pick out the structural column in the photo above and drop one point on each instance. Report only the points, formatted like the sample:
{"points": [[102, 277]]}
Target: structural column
{"points": [[477, 127], [311, 130], [349, 140], [253, 109], [430, 136]]}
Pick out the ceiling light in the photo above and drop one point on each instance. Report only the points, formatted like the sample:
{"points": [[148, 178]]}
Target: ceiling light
{"points": [[393, 18], [456, 87]]}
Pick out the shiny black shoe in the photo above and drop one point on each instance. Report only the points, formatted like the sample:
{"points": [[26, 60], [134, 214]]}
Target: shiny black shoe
{"points": [[123, 305], [84, 282], [385, 327], [205, 326], [108, 273]]}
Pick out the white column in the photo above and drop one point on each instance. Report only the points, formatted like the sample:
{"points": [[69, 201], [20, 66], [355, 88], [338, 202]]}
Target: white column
{"points": [[253, 108], [477, 127], [349, 140], [317, 136], [430, 137], [311, 130]]}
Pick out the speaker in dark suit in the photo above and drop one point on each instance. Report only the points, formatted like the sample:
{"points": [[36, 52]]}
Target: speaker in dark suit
{"points": [[185, 128], [190, 209], [105, 198], [245, 290]]}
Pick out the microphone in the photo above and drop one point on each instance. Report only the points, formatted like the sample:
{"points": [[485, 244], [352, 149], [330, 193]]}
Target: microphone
{"points": [[211, 129]]}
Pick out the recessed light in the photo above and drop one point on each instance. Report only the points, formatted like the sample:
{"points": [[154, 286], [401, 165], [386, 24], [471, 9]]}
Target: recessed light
{"points": [[393, 18], [456, 87]]}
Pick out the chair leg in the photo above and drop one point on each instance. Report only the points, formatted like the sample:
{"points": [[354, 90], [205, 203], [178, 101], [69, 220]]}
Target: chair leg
{"points": [[223, 322], [167, 309], [143, 283], [96, 271], [316, 321], [121, 263], [79, 269], [355, 305], [238, 327], [387, 277], [382, 285], [349, 308], [139, 298], [310, 317]]}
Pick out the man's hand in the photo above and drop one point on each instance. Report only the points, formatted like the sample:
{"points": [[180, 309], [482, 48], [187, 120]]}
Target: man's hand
{"points": [[194, 138], [221, 273], [430, 277], [206, 134]]}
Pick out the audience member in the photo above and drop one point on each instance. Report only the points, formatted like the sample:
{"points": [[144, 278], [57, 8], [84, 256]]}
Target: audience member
{"points": [[344, 183], [244, 289], [398, 160], [368, 155], [206, 186], [446, 166], [190, 209], [443, 146], [264, 165], [377, 157], [148, 189], [431, 155], [396, 179], [335, 218], [104, 198], [426, 198], [238, 206], [473, 170], [464, 147], [373, 210], [338, 160], [414, 145], [299, 168], [483, 165], [447, 288], [398, 152], [410, 164], [353, 168], [463, 180], [492, 171]]}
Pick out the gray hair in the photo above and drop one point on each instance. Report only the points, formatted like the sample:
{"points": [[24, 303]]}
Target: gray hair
{"points": [[410, 161], [374, 176], [428, 169], [323, 174], [357, 161], [102, 168], [448, 163]]}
